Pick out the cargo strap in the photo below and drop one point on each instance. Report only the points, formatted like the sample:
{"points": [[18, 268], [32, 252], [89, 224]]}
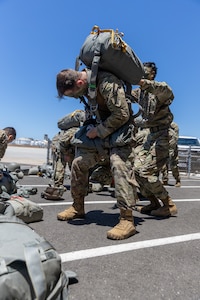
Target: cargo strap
{"points": [[33, 257]]}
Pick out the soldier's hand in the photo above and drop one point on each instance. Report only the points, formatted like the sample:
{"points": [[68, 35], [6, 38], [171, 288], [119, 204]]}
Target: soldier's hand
{"points": [[92, 133]]}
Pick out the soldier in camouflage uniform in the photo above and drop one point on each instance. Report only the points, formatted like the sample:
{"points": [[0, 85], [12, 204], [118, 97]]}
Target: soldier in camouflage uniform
{"points": [[114, 112], [173, 156], [7, 135], [63, 153], [152, 153]]}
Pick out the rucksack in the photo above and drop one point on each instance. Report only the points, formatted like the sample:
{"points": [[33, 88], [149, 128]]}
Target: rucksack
{"points": [[53, 193], [8, 182], [74, 119], [105, 49], [30, 267], [25, 209]]}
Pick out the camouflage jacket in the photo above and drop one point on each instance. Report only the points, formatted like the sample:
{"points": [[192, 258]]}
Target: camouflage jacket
{"points": [[61, 141], [3, 143], [155, 99], [113, 107]]}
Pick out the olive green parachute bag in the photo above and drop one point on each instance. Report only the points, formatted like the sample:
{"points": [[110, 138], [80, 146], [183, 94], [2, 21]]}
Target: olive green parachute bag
{"points": [[30, 267], [105, 49]]}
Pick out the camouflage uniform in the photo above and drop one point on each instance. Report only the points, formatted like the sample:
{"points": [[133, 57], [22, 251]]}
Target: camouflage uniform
{"points": [[114, 112], [173, 156], [3, 143], [62, 153], [102, 173], [152, 154]]}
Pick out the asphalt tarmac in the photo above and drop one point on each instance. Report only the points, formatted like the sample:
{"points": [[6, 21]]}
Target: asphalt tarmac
{"points": [[161, 261]]}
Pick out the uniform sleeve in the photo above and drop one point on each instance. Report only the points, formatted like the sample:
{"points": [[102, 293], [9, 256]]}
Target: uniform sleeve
{"points": [[3, 143], [161, 90], [113, 93]]}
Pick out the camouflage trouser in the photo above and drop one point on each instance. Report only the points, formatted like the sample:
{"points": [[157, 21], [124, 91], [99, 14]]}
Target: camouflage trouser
{"points": [[60, 163], [173, 163], [150, 156], [121, 161], [59, 171], [102, 173]]}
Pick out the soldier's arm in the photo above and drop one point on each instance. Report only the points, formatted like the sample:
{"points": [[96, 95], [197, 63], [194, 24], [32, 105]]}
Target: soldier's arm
{"points": [[161, 90], [3, 143], [113, 93]]}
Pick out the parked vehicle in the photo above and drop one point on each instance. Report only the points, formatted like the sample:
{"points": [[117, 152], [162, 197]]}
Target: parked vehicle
{"points": [[189, 154], [189, 142]]}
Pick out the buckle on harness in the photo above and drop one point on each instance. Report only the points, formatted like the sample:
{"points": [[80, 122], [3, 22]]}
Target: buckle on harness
{"points": [[93, 108]]}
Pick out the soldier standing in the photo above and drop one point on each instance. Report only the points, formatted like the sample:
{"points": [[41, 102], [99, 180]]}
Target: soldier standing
{"points": [[173, 156], [155, 99]]}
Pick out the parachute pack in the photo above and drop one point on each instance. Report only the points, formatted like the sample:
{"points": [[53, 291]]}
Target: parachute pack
{"points": [[74, 119], [105, 49], [30, 267]]}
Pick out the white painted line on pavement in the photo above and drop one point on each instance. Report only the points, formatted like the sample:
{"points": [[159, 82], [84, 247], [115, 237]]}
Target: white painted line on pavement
{"points": [[110, 202], [70, 202], [34, 185], [183, 187], [108, 250], [167, 186]]}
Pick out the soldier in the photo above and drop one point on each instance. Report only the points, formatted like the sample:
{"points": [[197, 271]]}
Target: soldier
{"points": [[153, 152], [63, 153], [114, 112], [173, 156], [7, 135]]}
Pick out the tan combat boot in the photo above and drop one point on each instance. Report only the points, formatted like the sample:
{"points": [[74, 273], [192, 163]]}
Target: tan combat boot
{"points": [[167, 210], [76, 211], [154, 204], [178, 184], [125, 228], [165, 182]]}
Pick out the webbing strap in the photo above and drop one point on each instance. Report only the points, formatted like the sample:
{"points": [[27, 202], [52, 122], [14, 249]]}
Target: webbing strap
{"points": [[92, 90], [36, 273], [94, 72]]}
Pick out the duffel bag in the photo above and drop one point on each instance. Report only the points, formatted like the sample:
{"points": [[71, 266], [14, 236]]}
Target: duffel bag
{"points": [[30, 267]]}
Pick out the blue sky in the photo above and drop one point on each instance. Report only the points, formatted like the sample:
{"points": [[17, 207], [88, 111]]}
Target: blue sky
{"points": [[38, 38]]}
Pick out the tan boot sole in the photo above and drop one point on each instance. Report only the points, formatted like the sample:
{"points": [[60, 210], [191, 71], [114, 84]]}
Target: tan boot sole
{"points": [[117, 238], [70, 218], [120, 232], [69, 215]]}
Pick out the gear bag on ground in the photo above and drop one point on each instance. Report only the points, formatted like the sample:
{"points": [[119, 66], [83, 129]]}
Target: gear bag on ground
{"points": [[30, 268]]}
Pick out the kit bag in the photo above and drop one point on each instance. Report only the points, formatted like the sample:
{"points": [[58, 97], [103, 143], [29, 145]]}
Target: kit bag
{"points": [[74, 119], [26, 210], [53, 193], [30, 267], [8, 182], [105, 49]]}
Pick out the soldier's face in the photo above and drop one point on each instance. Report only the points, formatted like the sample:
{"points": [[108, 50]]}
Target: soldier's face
{"points": [[77, 91], [149, 73]]}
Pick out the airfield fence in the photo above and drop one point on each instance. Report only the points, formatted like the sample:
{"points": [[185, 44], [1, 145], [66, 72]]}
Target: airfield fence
{"points": [[189, 161]]}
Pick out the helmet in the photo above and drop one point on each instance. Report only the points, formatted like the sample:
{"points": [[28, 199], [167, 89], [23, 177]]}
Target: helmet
{"points": [[13, 166]]}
